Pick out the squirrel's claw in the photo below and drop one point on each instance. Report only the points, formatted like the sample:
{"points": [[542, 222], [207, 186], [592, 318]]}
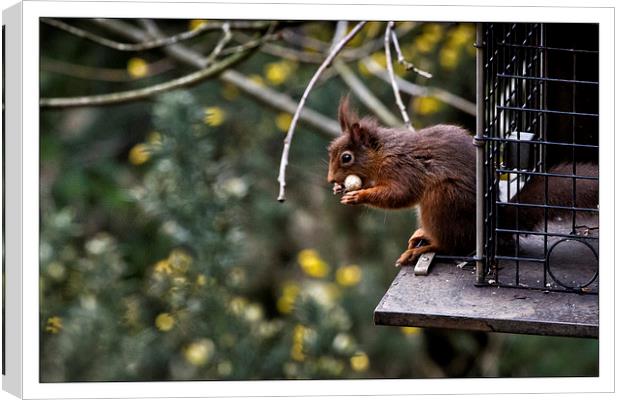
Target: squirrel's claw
{"points": [[338, 188], [407, 258]]}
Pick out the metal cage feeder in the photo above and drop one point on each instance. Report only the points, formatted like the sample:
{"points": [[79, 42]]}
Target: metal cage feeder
{"points": [[537, 107]]}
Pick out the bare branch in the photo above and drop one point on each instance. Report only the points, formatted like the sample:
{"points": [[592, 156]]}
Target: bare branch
{"points": [[291, 130], [151, 44], [324, 125], [417, 90], [390, 68], [131, 95], [401, 59], [102, 74], [365, 95]]}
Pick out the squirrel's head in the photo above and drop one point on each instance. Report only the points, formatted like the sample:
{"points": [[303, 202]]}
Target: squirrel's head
{"points": [[355, 151]]}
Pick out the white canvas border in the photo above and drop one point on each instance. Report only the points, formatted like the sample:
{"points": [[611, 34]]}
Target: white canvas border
{"points": [[33, 389]]}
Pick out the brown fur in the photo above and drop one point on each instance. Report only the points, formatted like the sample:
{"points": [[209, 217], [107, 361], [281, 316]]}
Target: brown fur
{"points": [[559, 193]]}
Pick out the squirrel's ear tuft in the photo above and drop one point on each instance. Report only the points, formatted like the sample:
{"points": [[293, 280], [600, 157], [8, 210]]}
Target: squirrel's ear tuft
{"points": [[357, 133], [362, 135], [346, 117]]}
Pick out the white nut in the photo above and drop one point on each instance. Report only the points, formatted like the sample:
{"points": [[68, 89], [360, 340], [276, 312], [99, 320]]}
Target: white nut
{"points": [[352, 182]]}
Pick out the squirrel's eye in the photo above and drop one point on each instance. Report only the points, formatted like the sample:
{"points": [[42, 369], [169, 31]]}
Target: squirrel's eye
{"points": [[346, 158]]}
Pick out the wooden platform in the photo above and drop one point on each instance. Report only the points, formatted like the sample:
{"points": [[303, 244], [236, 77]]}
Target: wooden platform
{"points": [[447, 298]]}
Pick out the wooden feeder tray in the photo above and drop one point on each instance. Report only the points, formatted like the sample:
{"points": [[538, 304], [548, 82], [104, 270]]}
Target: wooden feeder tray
{"points": [[448, 298]]}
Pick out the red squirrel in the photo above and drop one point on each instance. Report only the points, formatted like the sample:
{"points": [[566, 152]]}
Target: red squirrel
{"points": [[433, 168]]}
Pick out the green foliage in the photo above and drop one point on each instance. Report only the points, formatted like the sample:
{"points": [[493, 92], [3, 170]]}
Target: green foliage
{"points": [[165, 256]]}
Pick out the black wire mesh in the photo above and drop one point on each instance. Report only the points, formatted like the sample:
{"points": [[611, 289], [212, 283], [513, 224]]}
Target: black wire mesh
{"points": [[541, 155]]}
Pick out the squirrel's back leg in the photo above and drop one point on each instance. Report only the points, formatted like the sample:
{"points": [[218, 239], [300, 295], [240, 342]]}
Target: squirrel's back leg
{"points": [[410, 255], [414, 249], [416, 238]]}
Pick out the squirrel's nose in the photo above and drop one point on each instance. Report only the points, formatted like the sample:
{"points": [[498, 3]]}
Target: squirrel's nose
{"points": [[330, 178]]}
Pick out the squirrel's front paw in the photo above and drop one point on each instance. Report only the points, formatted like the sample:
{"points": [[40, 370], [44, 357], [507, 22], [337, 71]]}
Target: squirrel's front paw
{"points": [[354, 197]]}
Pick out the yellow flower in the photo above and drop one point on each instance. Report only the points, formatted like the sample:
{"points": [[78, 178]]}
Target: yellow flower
{"points": [[463, 34], [164, 322], [312, 264], [283, 121], [214, 116], [410, 330], [137, 67], [433, 31], [286, 303], [278, 72], [139, 154], [360, 362], [54, 325], [196, 23], [426, 105], [230, 91], [199, 352], [423, 44], [349, 275], [448, 57], [163, 267], [180, 260]]}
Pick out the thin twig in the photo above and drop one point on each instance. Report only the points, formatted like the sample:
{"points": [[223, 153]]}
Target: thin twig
{"points": [[151, 44], [365, 95], [291, 130], [390, 68], [226, 37], [138, 94], [417, 90], [401, 58], [102, 74], [261, 41]]}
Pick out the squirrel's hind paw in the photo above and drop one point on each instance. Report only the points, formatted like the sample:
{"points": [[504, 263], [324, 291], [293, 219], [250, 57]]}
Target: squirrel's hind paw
{"points": [[407, 258]]}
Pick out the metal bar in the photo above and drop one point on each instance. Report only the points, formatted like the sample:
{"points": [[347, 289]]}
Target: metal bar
{"points": [[536, 78], [551, 174], [548, 112], [546, 206], [548, 234], [545, 142], [530, 259], [480, 265], [548, 48]]}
